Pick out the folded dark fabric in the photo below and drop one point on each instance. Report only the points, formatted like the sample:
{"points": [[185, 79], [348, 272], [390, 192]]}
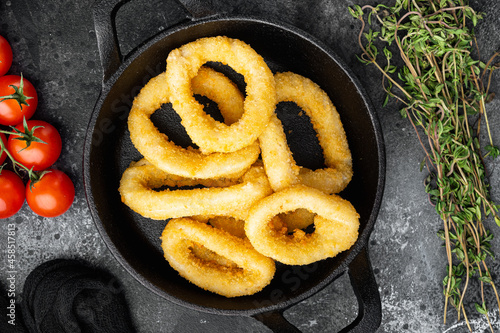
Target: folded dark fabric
{"points": [[65, 295]]}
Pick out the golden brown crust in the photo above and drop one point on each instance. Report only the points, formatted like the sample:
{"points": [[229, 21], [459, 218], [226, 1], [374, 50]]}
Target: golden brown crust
{"points": [[336, 226], [215, 260], [278, 161], [210, 135], [168, 156], [226, 197]]}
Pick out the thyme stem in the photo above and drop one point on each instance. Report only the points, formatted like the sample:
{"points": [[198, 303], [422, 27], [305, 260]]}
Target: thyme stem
{"points": [[444, 96]]}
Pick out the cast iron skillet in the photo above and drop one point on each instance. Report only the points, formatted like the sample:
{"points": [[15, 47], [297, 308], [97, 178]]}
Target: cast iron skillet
{"points": [[108, 151]]}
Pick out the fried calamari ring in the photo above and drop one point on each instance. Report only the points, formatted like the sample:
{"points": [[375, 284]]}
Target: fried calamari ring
{"points": [[164, 154], [278, 161], [279, 164], [222, 197], [336, 226], [298, 219], [215, 260], [233, 226], [219, 88], [210, 135]]}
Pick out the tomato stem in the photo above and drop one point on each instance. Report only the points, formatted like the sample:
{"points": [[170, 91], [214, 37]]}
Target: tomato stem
{"points": [[33, 176], [36, 177], [27, 135], [18, 94]]}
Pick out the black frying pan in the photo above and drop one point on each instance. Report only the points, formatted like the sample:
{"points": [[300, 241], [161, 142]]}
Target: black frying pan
{"points": [[108, 151]]}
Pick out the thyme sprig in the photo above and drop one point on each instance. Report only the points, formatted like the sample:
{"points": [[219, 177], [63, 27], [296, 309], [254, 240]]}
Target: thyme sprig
{"points": [[443, 89]]}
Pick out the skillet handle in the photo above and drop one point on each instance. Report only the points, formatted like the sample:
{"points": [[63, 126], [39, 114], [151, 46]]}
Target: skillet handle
{"points": [[366, 291], [104, 13]]}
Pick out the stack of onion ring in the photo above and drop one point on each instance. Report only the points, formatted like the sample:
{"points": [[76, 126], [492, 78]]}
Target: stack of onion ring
{"points": [[239, 214], [280, 166], [166, 155]]}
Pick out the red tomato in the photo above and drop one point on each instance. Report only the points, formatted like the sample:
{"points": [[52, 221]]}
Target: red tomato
{"points": [[38, 155], [5, 56], [17, 102], [52, 195], [4, 155], [12, 193]]}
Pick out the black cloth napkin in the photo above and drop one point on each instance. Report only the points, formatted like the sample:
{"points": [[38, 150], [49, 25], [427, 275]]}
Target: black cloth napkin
{"points": [[65, 295]]}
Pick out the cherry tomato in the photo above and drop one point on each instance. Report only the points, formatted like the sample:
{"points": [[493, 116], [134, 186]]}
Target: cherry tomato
{"points": [[38, 155], [5, 56], [52, 195], [12, 193], [4, 155], [18, 99]]}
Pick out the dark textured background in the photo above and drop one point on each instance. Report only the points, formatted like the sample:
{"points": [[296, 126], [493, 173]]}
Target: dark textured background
{"points": [[55, 47]]}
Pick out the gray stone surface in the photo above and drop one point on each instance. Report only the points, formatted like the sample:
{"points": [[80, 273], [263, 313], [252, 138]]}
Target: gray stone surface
{"points": [[55, 47]]}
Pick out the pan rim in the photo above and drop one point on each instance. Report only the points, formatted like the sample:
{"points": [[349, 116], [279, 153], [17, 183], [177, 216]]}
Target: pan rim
{"points": [[280, 305]]}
